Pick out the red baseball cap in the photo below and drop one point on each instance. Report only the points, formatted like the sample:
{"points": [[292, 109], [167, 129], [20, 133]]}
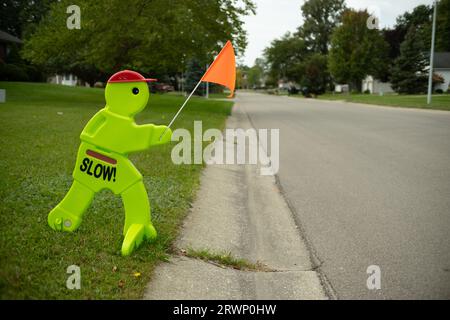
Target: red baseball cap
{"points": [[128, 76]]}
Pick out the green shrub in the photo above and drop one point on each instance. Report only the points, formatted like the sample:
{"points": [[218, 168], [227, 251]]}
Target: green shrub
{"points": [[34, 73], [12, 72], [293, 90]]}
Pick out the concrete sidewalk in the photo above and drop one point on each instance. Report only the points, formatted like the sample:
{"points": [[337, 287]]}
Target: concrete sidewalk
{"points": [[239, 211]]}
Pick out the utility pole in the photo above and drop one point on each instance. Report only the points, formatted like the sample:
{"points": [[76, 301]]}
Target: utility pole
{"points": [[430, 76]]}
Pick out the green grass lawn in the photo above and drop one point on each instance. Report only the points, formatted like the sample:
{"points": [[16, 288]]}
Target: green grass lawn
{"points": [[221, 95], [40, 127], [438, 101]]}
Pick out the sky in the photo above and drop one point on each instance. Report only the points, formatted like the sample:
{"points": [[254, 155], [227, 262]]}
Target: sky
{"points": [[275, 17]]}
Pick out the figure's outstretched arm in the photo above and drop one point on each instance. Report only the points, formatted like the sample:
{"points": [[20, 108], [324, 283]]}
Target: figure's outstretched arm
{"points": [[149, 135], [142, 137]]}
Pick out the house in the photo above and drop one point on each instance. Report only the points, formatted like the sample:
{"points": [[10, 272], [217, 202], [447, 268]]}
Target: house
{"points": [[441, 66], [64, 79], [375, 86], [286, 85], [6, 40], [283, 84], [341, 88]]}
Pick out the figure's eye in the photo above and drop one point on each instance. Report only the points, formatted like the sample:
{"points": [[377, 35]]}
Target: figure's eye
{"points": [[135, 90]]}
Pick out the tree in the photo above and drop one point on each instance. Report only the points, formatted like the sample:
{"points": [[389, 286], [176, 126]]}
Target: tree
{"points": [[356, 51], [443, 26], [297, 57], [194, 73], [320, 18], [20, 15], [419, 18], [19, 18], [314, 73], [241, 77], [255, 75], [408, 73], [284, 56], [147, 36], [393, 37]]}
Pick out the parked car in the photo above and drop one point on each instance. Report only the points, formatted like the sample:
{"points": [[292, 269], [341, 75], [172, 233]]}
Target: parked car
{"points": [[158, 87]]}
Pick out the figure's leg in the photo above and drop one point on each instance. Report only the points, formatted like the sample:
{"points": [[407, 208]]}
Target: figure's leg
{"points": [[66, 216], [138, 225]]}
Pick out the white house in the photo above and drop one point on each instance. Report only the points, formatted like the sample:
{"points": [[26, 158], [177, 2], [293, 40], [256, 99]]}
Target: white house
{"points": [[66, 79], [441, 66], [341, 88], [376, 86]]}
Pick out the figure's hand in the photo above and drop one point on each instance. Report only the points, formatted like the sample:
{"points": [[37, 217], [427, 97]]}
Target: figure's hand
{"points": [[158, 138], [167, 135]]}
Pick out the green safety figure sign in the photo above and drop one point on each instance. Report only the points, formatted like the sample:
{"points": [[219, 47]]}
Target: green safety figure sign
{"points": [[102, 161]]}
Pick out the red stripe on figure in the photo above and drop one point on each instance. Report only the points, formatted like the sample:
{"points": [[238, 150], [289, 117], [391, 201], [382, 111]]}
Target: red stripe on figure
{"points": [[101, 157]]}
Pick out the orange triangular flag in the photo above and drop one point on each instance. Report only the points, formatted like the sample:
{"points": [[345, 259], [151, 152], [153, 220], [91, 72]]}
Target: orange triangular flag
{"points": [[223, 69]]}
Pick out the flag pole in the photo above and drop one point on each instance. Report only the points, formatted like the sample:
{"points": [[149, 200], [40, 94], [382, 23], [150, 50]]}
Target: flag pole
{"points": [[181, 108], [207, 85]]}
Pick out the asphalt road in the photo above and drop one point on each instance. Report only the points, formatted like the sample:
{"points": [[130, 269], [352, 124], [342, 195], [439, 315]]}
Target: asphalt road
{"points": [[370, 186]]}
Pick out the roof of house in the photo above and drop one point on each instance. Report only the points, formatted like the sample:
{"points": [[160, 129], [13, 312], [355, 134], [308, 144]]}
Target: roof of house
{"points": [[441, 60], [6, 37]]}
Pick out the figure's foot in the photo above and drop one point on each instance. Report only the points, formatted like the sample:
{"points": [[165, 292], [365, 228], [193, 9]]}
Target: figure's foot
{"points": [[62, 220], [133, 239], [150, 232], [135, 235]]}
